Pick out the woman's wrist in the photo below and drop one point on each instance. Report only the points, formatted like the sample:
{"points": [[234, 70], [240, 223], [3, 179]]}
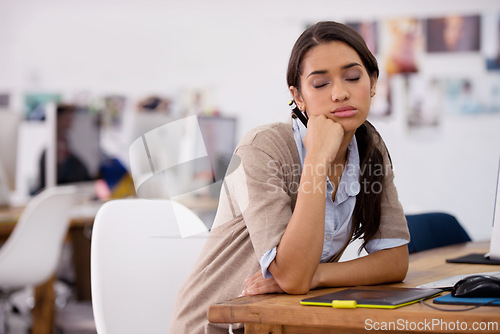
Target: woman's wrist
{"points": [[315, 167], [317, 161], [316, 280]]}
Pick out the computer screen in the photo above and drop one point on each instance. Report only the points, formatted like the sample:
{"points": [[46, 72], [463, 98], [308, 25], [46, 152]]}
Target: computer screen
{"points": [[73, 155], [9, 127], [143, 122], [495, 235], [219, 137], [188, 155], [4, 189]]}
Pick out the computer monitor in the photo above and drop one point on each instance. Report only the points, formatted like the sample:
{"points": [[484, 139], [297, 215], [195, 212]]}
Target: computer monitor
{"points": [[493, 256], [494, 253], [185, 156], [73, 155], [9, 127], [4, 189], [219, 137], [144, 121]]}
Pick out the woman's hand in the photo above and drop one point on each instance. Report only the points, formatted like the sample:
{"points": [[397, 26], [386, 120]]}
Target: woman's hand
{"points": [[323, 138], [258, 285]]}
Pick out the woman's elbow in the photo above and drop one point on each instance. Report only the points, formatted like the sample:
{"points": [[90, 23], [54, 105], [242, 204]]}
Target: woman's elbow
{"points": [[294, 285], [399, 273], [292, 280], [295, 288], [401, 261]]}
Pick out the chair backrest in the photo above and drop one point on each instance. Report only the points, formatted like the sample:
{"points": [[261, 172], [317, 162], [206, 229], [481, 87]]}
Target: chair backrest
{"points": [[31, 253], [141, 251], [434, 229]]}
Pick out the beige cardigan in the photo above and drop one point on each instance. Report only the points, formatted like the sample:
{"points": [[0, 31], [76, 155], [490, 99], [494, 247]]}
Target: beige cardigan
{"points": [[256, 203]]}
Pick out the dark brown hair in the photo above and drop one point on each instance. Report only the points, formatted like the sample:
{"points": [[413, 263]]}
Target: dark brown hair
{"points": [[323, 32], [367, 212]]}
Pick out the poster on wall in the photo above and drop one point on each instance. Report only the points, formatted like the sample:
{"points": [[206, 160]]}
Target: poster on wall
{"points": [[381, 105], [402, 44], [473, 95], [425, 102], [369, 31], [453, 33], [490, 45], [113, 110], [4, 100], [493, 99], [462, 97], [34, 104]]}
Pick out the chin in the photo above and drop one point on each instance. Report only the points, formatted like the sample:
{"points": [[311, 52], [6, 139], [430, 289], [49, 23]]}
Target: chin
{"points": [[350, 124]]}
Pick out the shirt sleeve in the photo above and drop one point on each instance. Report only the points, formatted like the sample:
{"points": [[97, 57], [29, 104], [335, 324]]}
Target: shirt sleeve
{"points": [[393, 223], [263, 192], [379, 244], [265, 262]]}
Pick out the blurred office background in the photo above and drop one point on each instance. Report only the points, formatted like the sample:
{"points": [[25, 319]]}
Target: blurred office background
{"points": [[438, 100], [146, 63]]}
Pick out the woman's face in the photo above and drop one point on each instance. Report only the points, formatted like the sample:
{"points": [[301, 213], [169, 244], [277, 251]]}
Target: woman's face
{"points": [[335, 83]]}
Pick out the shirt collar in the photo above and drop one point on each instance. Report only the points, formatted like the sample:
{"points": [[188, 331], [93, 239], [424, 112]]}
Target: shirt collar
{"points": [[349, 182], [299, 132]]}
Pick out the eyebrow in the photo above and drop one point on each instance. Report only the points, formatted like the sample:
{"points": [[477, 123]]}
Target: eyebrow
{"points": [[345, 67]]}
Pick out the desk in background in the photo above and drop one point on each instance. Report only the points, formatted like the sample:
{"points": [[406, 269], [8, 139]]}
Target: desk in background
{"points": [[79, 235], [281, 313], [44, 311]]}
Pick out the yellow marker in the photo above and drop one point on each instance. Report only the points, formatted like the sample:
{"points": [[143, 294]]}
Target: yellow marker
{"points": [[344, 303]]}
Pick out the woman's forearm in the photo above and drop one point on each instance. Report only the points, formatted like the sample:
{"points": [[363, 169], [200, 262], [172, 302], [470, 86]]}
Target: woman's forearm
{"points": [[299, 251], [300, 247], [384, 266]]}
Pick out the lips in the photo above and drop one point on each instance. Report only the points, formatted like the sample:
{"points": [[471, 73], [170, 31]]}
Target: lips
{"points": [[345, 111]]}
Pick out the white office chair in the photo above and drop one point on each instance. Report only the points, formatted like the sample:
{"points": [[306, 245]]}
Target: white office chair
{"points": [[142, 250], [31, 254]]}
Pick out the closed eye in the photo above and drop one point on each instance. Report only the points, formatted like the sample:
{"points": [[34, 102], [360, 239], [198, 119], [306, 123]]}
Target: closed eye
{"points": [[320, 85], [353, 79]]}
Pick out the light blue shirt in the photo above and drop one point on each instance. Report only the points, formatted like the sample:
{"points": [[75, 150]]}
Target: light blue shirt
{"points": [[338, 212]]}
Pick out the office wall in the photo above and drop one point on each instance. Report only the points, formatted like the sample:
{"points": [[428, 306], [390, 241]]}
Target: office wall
{"points": [[239, 52]]}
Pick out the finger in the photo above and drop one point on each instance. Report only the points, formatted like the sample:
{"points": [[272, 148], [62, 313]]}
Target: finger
{"points": [[262, 284], [252, 284], [266, 287], [254, 277], [250, 281]]}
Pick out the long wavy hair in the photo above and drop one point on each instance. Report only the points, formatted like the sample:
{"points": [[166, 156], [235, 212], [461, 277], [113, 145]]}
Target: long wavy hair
{"points": [[367, 211]]}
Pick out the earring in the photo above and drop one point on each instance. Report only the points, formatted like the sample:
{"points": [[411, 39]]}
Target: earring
{"points": [[372, 94]]}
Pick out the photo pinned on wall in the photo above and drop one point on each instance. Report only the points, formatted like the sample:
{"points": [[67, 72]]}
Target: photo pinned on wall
{"points": [[113, 110], [34, 104], [401, 45], [155, 104], [4, 101], [461, 97], [369, 31], [494, 94], [473, 96], [425, 103], [453, 33], [198, 101], [490, 43], [381, 105]]}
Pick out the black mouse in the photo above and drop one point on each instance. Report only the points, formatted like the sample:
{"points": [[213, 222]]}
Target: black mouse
{"points": [[477, 286]]}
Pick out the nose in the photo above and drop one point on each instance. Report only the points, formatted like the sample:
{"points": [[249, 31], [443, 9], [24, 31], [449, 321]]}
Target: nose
{"points": [[339, 93]]}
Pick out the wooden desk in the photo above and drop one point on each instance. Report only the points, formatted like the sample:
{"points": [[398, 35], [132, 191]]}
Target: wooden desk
{"points": [[44, 311], [280, 313]]}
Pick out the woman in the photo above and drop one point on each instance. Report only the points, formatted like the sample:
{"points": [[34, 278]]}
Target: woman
{"points": [[294, 197]]}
